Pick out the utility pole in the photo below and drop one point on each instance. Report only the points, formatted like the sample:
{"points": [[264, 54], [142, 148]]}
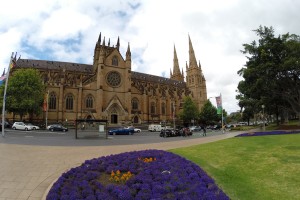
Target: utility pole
{"points": [[4, 96], [174, 115]]}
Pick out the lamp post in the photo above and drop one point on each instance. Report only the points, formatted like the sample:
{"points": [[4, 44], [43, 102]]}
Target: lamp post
{"points": [[263, 107], [174, 115]]}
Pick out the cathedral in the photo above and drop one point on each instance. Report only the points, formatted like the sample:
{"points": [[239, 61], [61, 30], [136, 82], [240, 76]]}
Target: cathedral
{"points": [[109, 89]]}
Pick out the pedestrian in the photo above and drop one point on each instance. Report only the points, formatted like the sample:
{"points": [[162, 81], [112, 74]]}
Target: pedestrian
{"points": [[204, 130]]}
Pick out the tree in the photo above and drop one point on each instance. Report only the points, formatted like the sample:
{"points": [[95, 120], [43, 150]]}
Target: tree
{"points": [[25, 93], [208, 114], [272, 73], [190, 110]]}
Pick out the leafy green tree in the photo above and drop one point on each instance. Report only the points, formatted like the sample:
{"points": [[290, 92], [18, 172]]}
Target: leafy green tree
{"points": [[208, 114], [190, 111], [271, 74], [25, 93]]}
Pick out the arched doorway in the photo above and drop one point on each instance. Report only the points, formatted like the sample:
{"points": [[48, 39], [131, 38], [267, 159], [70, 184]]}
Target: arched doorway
{"points": [[114, 118], [136, 119]]}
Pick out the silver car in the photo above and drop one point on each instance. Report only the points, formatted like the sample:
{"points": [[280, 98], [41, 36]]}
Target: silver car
{"points": [[21, 126], [33, 127]]}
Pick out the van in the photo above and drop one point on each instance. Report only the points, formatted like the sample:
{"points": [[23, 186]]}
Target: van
{"points": [[154, 127]]}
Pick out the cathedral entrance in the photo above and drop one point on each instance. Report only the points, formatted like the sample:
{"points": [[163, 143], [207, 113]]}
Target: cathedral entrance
{"points": [[114, 119], [136, 120]]}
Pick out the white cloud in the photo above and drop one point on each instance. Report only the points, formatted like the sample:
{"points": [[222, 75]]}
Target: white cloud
{"points": [[68, 30]]}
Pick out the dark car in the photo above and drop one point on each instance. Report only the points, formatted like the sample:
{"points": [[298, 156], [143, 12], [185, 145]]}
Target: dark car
{"points": [[121, 131], [6, 125], [169, 133], [57, 127], [216, 127]]}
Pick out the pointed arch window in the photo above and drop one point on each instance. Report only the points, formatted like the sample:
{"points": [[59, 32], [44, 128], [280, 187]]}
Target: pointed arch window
{"points": [[52, 101], [115, 61], [135, 104], [152, 108], [89, 102], [163, 108], [69, 102]]}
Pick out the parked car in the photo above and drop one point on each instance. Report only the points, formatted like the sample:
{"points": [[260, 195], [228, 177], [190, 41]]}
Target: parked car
{"points": [[57, 127], [229, 126], [136, 130], [6, 125], [168, 133], [33, 127], [195, 128], [121, 131], [216, 127], [21, 126]]}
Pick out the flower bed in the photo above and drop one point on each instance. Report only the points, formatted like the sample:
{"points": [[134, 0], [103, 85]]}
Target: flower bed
{"points": [[149, 174], [267, 133]]}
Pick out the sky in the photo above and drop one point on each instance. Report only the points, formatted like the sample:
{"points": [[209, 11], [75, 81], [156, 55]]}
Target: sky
{"points": [[67, 30]]}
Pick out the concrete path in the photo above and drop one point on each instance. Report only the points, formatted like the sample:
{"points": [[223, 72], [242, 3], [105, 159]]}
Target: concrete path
{"points": [[27, 171]]}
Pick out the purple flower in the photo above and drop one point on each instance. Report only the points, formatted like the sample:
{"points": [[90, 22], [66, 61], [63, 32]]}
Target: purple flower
{"points": [[168, 177]]}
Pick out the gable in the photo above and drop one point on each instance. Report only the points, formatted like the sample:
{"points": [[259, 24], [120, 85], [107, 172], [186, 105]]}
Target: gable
{"points": [[115, 56]]}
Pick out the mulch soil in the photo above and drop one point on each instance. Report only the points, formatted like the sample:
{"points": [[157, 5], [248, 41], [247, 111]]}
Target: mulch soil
{"points": [[288, 127]]}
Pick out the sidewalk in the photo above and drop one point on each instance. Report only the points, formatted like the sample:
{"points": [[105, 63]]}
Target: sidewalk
{"points": [[26, 172]]}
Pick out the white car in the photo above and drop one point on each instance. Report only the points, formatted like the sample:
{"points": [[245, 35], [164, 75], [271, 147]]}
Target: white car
{"points": [[33, 127], [136, 130], [21, 126]]}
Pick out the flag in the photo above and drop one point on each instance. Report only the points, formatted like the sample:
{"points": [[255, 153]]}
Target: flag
{"points": [[2, 79], [219, 104]]}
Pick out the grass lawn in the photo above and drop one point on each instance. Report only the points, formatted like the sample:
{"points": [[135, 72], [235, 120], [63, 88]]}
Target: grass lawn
{"points": [[261, 167]]}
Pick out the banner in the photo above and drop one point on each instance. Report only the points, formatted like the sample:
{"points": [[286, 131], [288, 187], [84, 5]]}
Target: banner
{"points": [[2, 79], [219, 104]]}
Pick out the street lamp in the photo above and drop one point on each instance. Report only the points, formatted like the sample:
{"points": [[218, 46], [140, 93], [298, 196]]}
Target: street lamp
{"points": [[263, 107], [174, 115]]}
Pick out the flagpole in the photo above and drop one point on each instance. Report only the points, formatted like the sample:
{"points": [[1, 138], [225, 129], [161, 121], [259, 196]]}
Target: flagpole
{"points": [[222, 113], [4, 96], [47, 109]]}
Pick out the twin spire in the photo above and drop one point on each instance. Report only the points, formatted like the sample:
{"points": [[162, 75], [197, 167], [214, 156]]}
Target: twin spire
{"points": [[177, 75]]}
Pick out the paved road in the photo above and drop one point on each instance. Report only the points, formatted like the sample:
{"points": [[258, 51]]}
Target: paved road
{"points": [[86, 138]]}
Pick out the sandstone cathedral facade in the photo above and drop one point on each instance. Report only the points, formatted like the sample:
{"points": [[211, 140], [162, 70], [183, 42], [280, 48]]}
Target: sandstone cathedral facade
{"points": [[109, 89]]}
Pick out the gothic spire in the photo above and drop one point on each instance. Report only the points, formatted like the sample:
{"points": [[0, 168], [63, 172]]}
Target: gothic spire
{"points": [[128, 53], [3, 72], [103, 43], [99, 39], [192, 57], [118, 43], [176, 69]]}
